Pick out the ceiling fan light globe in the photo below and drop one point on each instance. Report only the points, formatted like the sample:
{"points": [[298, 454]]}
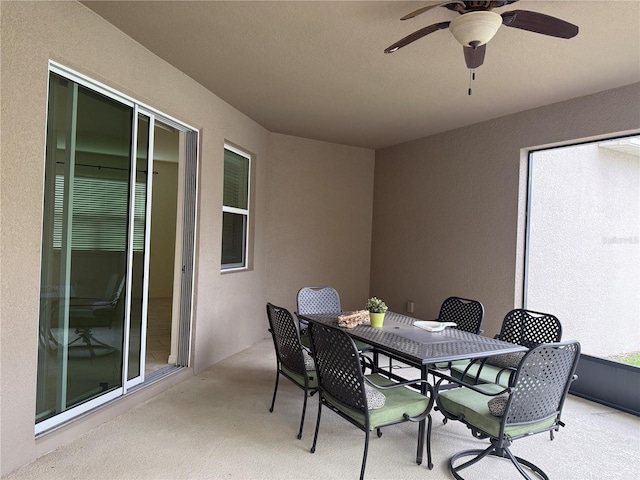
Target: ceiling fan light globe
{"points": [[475, 28]]}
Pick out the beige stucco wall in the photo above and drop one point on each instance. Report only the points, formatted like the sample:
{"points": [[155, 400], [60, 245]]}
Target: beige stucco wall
{"points": [[72, 35], [326, 189], [584, 252], [448, 209], [319, 220]]}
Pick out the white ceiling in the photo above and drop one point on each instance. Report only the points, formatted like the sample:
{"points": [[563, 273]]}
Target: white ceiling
{"points": [[316, 69]]}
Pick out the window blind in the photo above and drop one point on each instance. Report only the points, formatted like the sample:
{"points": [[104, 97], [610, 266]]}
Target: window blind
{"points": [[99, 214], [236, 180]]}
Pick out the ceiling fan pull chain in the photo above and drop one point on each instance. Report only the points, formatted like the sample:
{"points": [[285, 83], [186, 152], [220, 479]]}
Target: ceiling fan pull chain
{"points": [[472, 77]]}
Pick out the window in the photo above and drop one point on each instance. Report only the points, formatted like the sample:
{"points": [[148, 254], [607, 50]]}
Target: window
{"points": [[235, 208]]}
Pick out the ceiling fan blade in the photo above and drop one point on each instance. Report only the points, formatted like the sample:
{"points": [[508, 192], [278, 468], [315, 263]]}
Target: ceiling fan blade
{"points": [[474, 56], [539, 23], [420, 11], [416, 36]]}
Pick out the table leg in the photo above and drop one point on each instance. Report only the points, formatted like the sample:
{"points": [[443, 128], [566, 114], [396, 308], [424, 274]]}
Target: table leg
{"points": [[424, 388], [376, 357]]}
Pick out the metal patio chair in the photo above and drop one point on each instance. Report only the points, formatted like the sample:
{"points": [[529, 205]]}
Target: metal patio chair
{"points": [[86, 315], [531, 404], [523, 327], [466, 313], [311, 300], [294, 362], [368, 402]]}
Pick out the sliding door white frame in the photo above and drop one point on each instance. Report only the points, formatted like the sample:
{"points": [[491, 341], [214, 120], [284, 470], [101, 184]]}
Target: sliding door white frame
{"points": [[188, 249]]}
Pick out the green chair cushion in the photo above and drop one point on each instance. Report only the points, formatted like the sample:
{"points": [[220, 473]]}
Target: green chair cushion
{"points": [[398, 401], [299, 379], [473, 407], [305, 340], [361, 346], [488, 373], [446, 365]]}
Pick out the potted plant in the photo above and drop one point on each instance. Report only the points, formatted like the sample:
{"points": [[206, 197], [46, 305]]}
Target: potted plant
{"points": [[377, 308]]}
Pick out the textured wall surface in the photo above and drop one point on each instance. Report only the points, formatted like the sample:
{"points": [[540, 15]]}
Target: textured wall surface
{"points": [[319, 226], [32, 34], [317, 229], [449, 209], [584, 248]]}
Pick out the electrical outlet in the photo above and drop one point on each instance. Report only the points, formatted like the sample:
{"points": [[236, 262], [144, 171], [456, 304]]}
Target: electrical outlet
{"points": [[410, 306]]}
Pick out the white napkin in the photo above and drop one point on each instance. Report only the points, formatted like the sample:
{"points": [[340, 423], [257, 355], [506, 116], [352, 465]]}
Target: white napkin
{"points": [[433, 326]]}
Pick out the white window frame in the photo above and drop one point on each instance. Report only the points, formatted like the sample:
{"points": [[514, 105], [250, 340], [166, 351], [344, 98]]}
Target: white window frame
{"points": [[239, 211]]}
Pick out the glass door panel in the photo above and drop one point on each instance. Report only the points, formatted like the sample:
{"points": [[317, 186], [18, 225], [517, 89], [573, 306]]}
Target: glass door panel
{"points": [[81, 330]]}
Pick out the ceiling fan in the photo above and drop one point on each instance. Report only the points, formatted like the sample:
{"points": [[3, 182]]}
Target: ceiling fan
{"points": [[477, 24]]}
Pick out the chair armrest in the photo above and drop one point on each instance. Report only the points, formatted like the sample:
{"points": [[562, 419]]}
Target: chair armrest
{"points": [[510, 370], [475, 361], [366, 362], [475, 388], [480, 362], [399, 384], [431, 397]]}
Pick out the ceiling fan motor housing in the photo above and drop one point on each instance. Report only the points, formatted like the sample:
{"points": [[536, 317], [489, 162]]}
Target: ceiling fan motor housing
{"points": [[475, 28]]}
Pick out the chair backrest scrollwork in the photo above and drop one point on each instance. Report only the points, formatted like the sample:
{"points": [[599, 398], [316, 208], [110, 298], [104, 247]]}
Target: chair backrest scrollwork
{"points": [[286, 339], [529, 328], [313, 300], [466, 313], [338, 366], [542, 382], [318, 300]]}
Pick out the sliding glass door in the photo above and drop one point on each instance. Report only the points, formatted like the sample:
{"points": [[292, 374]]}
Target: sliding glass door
{"points": [[95, 250]]}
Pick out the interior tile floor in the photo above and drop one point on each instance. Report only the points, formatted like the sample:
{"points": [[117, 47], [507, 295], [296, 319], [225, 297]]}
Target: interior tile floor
{"points": [[158, 334]]}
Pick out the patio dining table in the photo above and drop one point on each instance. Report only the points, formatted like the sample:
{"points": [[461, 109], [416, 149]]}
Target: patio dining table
{"points": [[400, 339]]}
